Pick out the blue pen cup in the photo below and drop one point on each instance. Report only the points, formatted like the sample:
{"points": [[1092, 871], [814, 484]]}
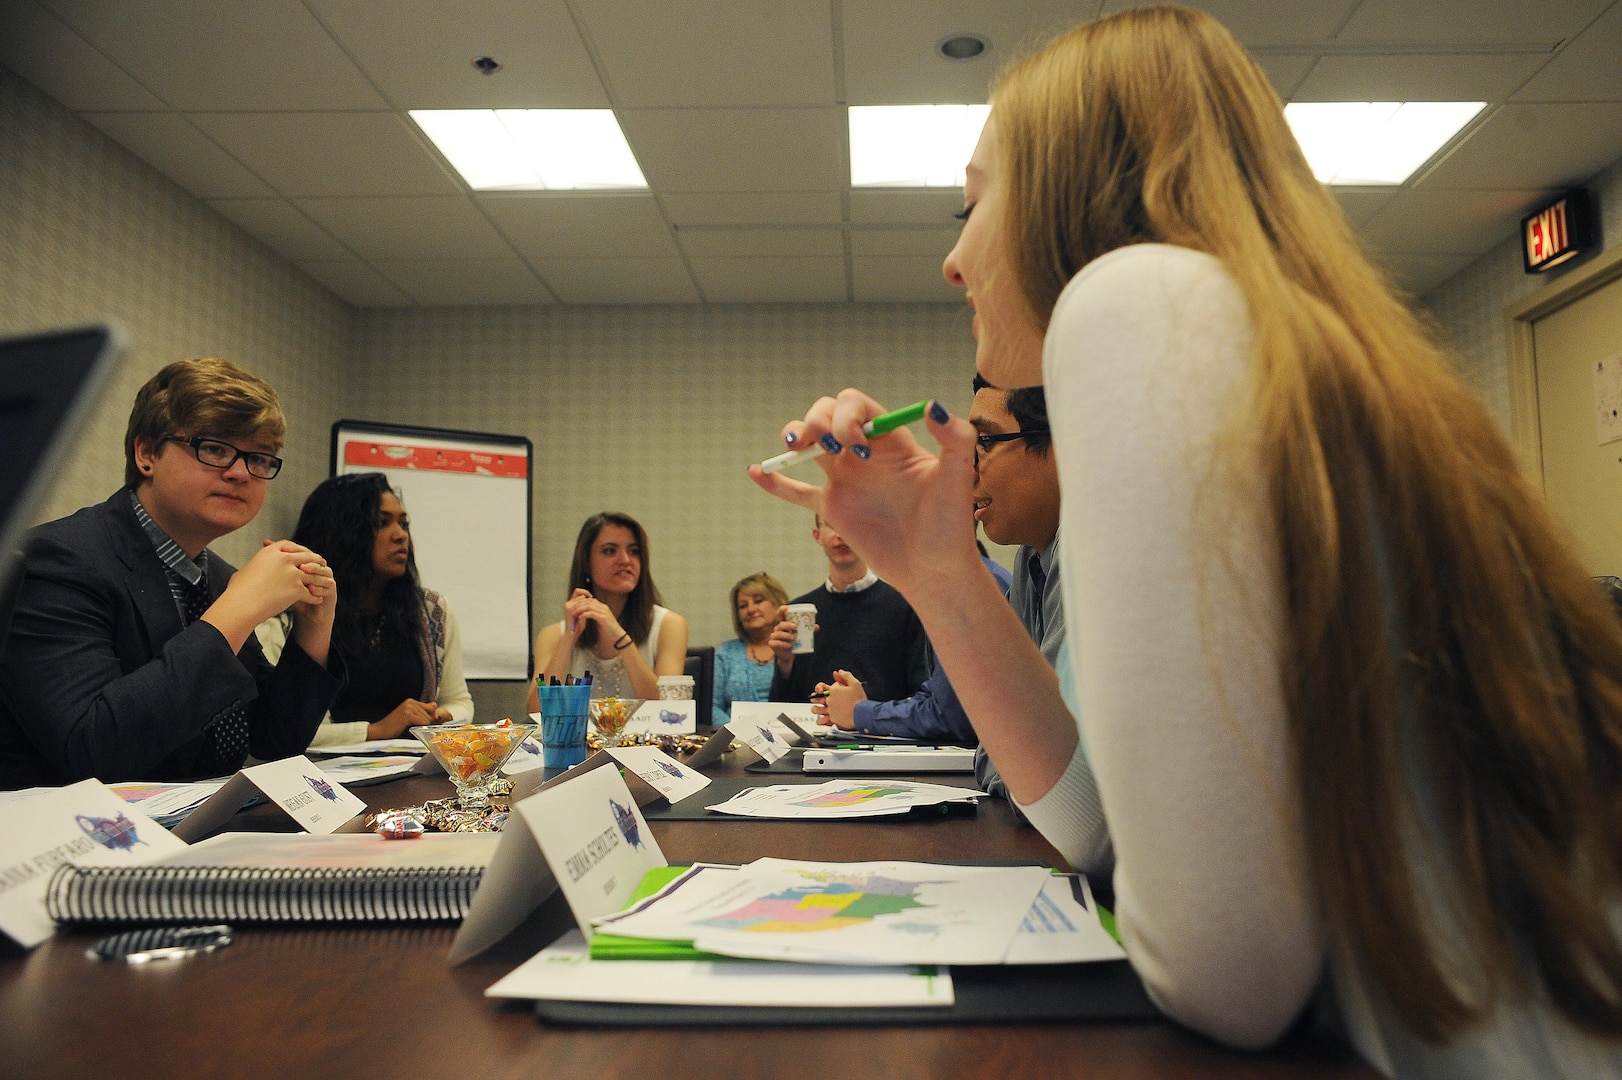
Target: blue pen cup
{"points": [[564, 710]]}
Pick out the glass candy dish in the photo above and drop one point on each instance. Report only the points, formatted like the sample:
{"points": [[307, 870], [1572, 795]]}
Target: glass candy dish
{"points": [[609, 716], [472, 754]]}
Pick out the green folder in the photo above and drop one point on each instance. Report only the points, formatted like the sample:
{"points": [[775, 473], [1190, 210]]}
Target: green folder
{"points": [[616, 947]]}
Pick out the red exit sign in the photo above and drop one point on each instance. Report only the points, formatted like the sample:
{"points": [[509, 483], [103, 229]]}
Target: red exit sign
{"points": [[1557, 233]]}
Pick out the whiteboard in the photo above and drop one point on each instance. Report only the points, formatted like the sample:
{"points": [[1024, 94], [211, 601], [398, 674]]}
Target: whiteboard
{"points": [[468, 497]]}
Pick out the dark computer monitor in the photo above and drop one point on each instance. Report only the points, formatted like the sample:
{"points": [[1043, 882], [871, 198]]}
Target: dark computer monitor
{"points": [[48, 385]]}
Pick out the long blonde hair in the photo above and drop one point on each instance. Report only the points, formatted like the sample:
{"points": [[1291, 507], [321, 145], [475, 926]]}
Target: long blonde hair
{"points": [[1438, 619]]}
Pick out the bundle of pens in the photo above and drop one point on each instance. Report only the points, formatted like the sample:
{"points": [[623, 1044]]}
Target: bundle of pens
{"points": [[567, 680]]}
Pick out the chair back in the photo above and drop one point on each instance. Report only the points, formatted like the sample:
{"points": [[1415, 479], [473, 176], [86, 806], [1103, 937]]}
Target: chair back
{"points": [[701, 666]]}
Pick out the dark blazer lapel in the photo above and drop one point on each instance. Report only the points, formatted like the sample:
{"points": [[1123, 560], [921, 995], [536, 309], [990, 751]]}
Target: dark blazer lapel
{"points": [[144, 577]]}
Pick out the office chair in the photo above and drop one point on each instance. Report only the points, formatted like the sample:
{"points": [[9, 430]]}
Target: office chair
{"points": [[701, 666]]}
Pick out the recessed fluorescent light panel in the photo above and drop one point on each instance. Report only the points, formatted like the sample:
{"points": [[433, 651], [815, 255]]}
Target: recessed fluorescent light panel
{"points": [[1374, 142], [533, 149], [912, 145]]}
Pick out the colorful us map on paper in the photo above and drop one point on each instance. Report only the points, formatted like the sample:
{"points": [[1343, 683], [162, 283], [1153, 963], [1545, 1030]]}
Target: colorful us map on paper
{"points": [[842, 913], [853, 795], [827, 902]]}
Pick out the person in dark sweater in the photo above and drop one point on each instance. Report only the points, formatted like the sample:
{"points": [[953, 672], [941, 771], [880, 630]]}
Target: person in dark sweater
{"points": [[864, 627]]}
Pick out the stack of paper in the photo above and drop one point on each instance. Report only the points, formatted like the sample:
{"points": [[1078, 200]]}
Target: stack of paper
{"points": [[357, 769], [167, 804], [412, 745], [841, 913], [565, 971], [841, 799]]}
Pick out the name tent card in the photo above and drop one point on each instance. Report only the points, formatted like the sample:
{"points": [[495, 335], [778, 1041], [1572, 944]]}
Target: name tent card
{"points": [[768, 739], [595, 840], [310, 797], [664, 717], [520, 877], [798, 713], [660, 771], [85, 824], [756, 724]]}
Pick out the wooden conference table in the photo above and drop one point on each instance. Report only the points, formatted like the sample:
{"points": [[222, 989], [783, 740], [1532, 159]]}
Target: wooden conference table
{"points": [[364, 1002]]}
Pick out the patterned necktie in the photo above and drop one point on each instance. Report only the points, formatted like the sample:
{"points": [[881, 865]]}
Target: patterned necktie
{"points": [[1039, 579], [225, 739]]}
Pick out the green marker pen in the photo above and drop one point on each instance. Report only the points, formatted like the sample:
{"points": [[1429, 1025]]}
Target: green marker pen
{"points": [[879, 425]]}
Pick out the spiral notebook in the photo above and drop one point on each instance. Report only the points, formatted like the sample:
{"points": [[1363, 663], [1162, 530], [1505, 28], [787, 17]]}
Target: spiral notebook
{"points": [[268, 877]]}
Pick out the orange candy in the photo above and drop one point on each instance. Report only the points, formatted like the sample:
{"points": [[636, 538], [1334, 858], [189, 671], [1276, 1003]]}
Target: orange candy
{"points": [[470, 753]]}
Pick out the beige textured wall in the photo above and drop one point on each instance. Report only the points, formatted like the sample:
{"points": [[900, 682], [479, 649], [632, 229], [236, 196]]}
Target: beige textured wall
{"points": [[90, 232], [656, 411], [1470, 307], [652, 410]]}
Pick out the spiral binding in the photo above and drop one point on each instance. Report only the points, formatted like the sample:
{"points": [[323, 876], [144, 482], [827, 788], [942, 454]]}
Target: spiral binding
{"points": [[239, 894]]}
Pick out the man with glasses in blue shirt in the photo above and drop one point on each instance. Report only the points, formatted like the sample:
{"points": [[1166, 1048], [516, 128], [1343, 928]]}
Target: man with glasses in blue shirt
{"points": [[132, 654]]}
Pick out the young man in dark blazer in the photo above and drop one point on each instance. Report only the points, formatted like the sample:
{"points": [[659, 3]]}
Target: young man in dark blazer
{"points": [[132, 654]]}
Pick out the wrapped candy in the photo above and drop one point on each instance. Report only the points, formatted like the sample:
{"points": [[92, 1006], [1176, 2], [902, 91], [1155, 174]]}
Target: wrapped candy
{"points": [[398, 825]]}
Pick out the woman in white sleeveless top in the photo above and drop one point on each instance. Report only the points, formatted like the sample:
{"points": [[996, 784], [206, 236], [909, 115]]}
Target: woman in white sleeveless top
{"points": [[613, 627]]}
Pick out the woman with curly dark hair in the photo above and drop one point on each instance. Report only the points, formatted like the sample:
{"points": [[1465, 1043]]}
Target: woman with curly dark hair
{"points": [[399, 640]]}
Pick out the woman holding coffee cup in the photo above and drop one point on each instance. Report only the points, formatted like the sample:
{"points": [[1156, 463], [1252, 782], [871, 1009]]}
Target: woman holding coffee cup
{"points": [[614, 627], [743, 665]]}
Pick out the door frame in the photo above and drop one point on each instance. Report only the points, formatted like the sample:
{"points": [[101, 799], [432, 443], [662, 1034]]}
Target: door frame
{"points": [[1526, 430]]}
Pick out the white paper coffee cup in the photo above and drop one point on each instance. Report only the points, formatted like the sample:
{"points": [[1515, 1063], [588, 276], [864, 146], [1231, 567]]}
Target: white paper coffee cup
{"points": [[676, 687], [805, 617]]}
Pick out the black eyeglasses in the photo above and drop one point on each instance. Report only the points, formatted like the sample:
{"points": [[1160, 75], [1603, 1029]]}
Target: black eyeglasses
{"points": [[984, 443], [221, 455]]}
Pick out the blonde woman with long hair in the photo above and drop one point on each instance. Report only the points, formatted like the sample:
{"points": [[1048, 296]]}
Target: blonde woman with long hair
{"points": [[1353, 705]]}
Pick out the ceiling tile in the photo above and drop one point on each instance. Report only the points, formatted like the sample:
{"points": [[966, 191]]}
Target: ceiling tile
{"points": [[1533, 146], [224, 54], [420, 52], [755, 281], [278, 224], [931, 242], [1487, 77], [891, 55], [465, 282], [762, 242], [1425, 221], [1256, 25], [1285, 70], [1360, 204], [1421, 274], [713, 53], [904, 279], [557, 225], [1587, 69], [182, 153], [38, 46], [355, 282], [447, 227], [724, 149], [329, 154], [1468, 22], [619, 281], [753, 208], [888, 206]]}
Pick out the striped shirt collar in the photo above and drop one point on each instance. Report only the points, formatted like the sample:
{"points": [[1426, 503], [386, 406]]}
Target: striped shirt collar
{"points": [[169, 552]]}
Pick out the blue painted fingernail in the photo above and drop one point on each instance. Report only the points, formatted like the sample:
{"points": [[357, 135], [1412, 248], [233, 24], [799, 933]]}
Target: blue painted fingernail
{"points": [[831, 444], [791, 438], [861, 451], [938, 413]]}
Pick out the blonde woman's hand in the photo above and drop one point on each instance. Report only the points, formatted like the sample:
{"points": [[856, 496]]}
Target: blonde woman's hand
{"points": [[906, 511]]}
